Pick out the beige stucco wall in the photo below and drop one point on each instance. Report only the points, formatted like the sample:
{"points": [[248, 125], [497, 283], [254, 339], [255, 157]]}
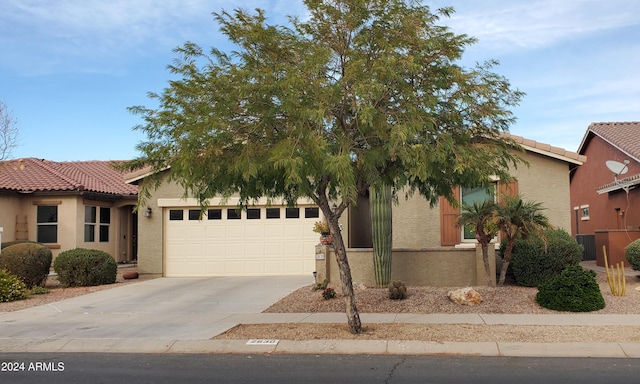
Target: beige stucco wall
{"points": [[10, 208], [151, 230], [448, 267], [546, 180], [70, 222]]}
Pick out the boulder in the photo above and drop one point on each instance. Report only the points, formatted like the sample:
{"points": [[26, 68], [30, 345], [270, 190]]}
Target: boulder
{"points": [[130, 275], [465, 296]]}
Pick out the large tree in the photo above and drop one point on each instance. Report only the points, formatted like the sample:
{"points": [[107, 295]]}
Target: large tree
{"points": [[358, 92], [8, 132]]}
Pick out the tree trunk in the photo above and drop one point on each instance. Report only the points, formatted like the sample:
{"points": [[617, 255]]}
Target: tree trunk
{"points": [[487, 267], [381, 232], [505, 262], [353, 317]]}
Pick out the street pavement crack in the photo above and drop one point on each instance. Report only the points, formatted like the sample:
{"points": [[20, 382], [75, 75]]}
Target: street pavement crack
{"points": [[393, 370]]}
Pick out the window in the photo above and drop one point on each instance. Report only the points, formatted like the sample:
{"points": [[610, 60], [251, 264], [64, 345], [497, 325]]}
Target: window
{"points": [[233, 214], [176, 214], [90, 216], [311, 212], [194, 214], [105, 220], [214, 214], [253, 213], [273, 213], [292, 213], [476, 195], [89, 224], [585, 212], [47, 222]]}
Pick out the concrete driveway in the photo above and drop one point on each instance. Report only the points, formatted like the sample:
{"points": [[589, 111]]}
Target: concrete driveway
{"points": [[163, 308]]}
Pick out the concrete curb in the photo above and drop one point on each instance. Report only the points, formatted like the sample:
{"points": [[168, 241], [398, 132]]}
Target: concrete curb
{"points": [[320, 347]]}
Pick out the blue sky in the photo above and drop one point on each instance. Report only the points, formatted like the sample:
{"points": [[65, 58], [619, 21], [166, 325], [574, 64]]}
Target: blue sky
{"points": [[69, 69]]}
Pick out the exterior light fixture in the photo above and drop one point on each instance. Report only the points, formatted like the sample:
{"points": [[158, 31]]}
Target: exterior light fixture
{"points": [[147, 212]]}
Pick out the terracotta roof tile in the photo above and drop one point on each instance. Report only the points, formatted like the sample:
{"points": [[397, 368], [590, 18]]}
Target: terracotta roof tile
{"points": [[35, 175], [548, 150], [622, 135]]}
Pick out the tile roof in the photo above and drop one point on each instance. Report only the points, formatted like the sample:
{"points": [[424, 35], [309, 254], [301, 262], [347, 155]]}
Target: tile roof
{"points": [[624, 136], [37, 175], [548, 150]]}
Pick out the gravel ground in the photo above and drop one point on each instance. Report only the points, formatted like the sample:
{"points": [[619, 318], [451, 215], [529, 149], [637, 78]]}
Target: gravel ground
{"points": [[507, 299], [57, 293]]}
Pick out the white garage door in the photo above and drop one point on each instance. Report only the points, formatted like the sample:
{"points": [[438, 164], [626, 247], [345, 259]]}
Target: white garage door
{"points": [[227, 242]]}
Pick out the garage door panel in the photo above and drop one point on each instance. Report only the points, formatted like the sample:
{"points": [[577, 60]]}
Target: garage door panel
{"points": [[237, 247]]}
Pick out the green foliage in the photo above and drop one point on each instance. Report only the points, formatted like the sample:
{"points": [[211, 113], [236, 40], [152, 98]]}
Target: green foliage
{"points": [[321, 286], [632, 253], [397, 290], [85, 267], [328, 293], [11, 287], [39, 291], [480, 217], [31, 262], [573, 290], [538, 258], [515, 217], [357, 93], [10, 243]]}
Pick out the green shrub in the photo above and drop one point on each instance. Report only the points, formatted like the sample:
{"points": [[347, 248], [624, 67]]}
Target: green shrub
{"points": [[633, 254], [574, 290], [31, 262], [10, 243], [85, 267], [532, 265], [11, 287]]}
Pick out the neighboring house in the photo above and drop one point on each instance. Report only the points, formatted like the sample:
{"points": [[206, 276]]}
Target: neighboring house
{"points": [[605, 191], [67, 205], [274, 239]]}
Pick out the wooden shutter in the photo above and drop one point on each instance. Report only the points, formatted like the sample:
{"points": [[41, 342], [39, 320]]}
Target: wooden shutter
{"points": [[509, 188], [449, 230]]}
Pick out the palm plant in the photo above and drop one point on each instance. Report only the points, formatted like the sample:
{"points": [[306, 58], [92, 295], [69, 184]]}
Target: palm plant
{"points": [[516, 217], [480, 217]]}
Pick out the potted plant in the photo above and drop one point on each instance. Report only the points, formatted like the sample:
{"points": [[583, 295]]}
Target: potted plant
{"points": [[322, 227]]}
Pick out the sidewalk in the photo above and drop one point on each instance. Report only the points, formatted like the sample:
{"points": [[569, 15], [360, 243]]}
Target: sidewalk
{"points": [[182, 315], [199, 345]]}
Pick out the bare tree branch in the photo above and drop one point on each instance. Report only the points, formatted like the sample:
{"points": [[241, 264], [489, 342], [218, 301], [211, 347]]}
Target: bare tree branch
{"points": [[8, 132]]}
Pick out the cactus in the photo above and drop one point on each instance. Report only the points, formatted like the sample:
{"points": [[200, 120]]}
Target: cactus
{"points": [[381, 231], [397, 290], [616, 278]]}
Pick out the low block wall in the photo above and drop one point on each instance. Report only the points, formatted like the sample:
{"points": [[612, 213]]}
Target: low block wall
{"points": [[616, 241], [446, 267]]}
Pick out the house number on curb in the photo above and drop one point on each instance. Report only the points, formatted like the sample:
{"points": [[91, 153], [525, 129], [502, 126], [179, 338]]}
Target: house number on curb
{"points": [[262, 342]]}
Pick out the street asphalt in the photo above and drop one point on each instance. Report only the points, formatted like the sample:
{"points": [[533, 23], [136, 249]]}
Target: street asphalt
{"points": [[182, 315]]}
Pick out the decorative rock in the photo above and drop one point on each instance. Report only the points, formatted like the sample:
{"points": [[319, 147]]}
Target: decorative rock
{"points": [[130, 275], [465, 296]]}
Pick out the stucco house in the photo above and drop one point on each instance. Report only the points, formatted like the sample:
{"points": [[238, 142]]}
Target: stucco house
{"points": [[67, 205], [605, 191], [429, 249]]}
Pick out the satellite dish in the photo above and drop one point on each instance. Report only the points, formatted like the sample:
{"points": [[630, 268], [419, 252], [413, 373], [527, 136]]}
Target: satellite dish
{"points": [[617, 168]]}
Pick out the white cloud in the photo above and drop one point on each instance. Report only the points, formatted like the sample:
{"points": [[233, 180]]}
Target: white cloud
{"points": [[506, 25]]}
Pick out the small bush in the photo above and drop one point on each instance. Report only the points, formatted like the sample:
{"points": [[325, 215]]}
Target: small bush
{"points": [[11, 287], [632, 254], [328, 293], [574, 290], [10, 243], [397, 290], [29, 261], [38, 291], [85, 267], [532, 265]]}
